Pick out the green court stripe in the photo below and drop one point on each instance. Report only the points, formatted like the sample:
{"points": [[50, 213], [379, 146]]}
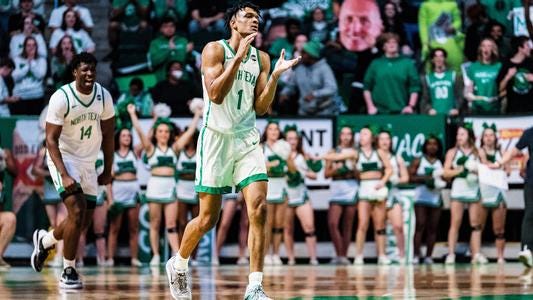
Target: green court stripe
{"points": [[251, 179]]}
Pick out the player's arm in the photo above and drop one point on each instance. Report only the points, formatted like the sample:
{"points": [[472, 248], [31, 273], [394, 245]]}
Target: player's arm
{"points": [[185, 137], [265, 89], [217, 80]]}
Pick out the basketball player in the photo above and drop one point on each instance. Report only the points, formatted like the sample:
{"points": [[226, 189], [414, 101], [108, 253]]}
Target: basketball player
{"points": [[237, 86], [80, 121]]}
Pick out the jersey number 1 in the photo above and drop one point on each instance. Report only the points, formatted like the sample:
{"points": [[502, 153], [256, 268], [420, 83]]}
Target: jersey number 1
{"points": [[86, 133], [240, 99]]}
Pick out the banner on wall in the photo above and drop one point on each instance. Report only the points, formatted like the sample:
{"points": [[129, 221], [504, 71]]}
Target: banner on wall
{"points": [[519, 21], [409, 132], [510, 130]]}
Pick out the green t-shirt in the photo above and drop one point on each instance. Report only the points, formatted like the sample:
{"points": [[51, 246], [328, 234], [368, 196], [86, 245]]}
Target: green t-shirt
{"points": [[159, 54], [498, 10], [483, 77], [178, 11], [441, 91]]}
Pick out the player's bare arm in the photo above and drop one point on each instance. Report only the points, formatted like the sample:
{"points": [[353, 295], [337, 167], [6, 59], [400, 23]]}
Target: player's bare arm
{"points": [[217, 80], [108, 147], [52, 143], [265, 89]]}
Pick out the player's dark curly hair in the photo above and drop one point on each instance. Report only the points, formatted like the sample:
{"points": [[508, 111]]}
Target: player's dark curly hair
{"points": [[232, 11], [84, 57]]}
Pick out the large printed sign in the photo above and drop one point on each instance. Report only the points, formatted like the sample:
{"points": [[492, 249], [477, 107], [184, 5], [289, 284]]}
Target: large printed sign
{"points": [[519, 21], [509, 132]]}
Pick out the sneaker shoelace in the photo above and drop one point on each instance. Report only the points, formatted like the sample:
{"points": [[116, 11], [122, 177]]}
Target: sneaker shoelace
{"points": [[257, 292], [180, 282]]}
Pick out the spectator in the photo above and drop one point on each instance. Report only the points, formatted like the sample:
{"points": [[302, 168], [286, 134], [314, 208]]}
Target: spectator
{"points": [[60, 65], [318, 29], [516, 76], [391, 82], [8, 220], [292, 29], [475, 31], [441, 87], [207, 15], [57, 15], [5, 11], [72, 26], [6, 67], [393, 23], [496, 32], [315, 82], [166, 48], [408, 10], [480, 84], [17, 40], [440, 24], [29, 73], [176, 9], [359, 24], [176, 91], [127, 15], [499, 10], [138, 96], [16, 21]]}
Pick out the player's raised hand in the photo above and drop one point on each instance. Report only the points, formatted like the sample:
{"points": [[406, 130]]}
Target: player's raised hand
{"points": [[283, 65], [244, 45]]}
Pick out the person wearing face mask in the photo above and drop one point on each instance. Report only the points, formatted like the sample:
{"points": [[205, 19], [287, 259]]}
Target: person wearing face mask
{"points": [[176, 91]]}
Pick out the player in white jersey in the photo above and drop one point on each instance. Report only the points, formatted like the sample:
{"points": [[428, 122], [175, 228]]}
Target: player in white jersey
{"points": [[80, 121], [237, 86]]}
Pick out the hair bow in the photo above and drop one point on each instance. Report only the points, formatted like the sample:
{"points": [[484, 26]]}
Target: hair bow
{"points": [[491, 126], [272, 121], [161, 120], [374, 128], [290, 127], [468, 125]]}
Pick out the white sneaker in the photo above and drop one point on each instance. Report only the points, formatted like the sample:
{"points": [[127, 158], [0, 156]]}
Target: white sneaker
{"points": [[179, 281], [501, 261], [416, 260], [344, 261], [450, 259], [155, 261], [276, 260], [268, 260], [428, 261], [136, 263], [242, 261], [384, 261], [313, 262], [525, 257], [101, 262], [215, 261], [110, 262], [291, 262], [255, 292], [359, 261], [479, 258]]}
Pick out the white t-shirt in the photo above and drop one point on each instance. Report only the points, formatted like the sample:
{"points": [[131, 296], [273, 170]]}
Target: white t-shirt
{"points": [[80, 116], [81, 39], [4, 109], [56, 17], [17, 43]]}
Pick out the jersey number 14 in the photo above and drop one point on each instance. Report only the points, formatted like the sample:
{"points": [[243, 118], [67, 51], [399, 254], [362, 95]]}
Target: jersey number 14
{"points": [[86, 132]]}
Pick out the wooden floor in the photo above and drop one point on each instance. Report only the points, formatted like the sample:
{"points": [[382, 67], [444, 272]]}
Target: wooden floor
{"points": [[298, 282]]}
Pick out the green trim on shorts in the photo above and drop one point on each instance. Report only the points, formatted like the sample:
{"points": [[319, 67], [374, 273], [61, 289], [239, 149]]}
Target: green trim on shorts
{"points": [[495, 204], [373, 200], [161, 200], [212, 190], [305, 199], [90, 197], [189, 201], [251, 179]]}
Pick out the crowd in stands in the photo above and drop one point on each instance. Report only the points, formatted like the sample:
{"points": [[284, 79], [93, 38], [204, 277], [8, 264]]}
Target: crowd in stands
{"points": [[358, 56]]}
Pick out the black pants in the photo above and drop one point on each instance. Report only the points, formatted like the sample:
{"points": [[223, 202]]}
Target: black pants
{"points": [[527, 222]]}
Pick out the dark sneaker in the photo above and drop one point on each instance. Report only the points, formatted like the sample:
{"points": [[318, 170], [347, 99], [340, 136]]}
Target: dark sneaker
{"points": [[70, 279], [179, 281], [39, 254]]}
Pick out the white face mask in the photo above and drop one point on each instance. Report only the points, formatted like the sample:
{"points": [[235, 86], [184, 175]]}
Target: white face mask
{"points": [[177, 74]]}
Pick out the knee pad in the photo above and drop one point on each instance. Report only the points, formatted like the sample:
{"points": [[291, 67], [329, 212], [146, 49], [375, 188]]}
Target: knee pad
{"points": [[500, 235], [277, 230], [172, 230], [476, 228], [100, 235], [65, 194], [381, 232], [309, 234]]}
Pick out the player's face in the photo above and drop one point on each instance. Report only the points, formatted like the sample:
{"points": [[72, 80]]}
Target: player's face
{"points": [[489, 137], [292, 139], [125, 138], [432, 146], [246, 21], [85, 75], [272, 132], [462, 136], [346, 137], [365, 137], [384, 141], [162, 133], [359, 24]]}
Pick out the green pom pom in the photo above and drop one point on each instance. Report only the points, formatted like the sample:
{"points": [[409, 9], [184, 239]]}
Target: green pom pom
{"points": [[314, 165]]}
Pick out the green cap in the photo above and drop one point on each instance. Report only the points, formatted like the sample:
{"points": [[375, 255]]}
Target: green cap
{"points": [[312, 48]]}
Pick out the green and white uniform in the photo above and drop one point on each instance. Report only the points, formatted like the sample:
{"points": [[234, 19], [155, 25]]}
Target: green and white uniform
{"points": [[277, 184], [367, 190], [441, 90], [50, 195], [161, 189], [296, 189], [185, 187], [426, 194], [125, 192], [343, 186], [483, 77], [81, 135], [492, 196], [397, 192], [229, 150], [465, 186]]}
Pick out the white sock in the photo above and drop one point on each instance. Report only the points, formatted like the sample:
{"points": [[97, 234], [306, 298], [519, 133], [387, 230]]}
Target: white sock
{"points": [[255, 278], [181, 263], [68, 263], [49, 240]]}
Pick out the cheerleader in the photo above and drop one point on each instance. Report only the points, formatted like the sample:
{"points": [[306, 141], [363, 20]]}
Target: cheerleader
{"points": [[398, 182], [55, 209], [425, 172], [298, 200], [343, 189], [460, 166], [160, 155], [231, 203], [493, 198], [276, 193], [124, 196]]}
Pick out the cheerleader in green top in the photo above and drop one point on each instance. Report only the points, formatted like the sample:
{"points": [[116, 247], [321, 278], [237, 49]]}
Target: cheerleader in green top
{"points": [[481, 88], [160, 155], [298, 200], [493, 198], [441, 86], [276, 193], [460, 166]]}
